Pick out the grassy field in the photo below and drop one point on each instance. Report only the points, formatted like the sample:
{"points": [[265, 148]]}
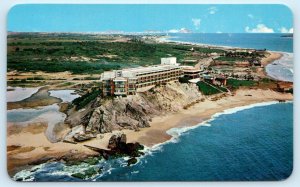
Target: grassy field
{"points": [[231, 84], [209, 90], [81, 54], [235, 84]]}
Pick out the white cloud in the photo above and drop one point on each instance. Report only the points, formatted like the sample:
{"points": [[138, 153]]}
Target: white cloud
{"points": [[212, 10], [219, 32], [173, 31], [182, 30], [285, 30], [250, 16], [196, 23], [260, 28]]}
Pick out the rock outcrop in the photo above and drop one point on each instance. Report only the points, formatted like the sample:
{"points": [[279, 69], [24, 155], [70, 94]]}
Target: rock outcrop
{"points": [[115, 141], [135, 111], [83, 137], [118, 148]]}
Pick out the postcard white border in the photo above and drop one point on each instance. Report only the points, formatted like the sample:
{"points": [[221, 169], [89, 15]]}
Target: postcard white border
{"points": [[293, 180]]}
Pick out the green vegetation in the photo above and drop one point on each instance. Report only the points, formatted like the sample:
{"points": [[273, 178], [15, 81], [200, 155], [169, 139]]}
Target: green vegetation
{"points": [[74, 67], [184, 79], [25, 81], [235, 83], [92, 54], [230, 59], [206, 89], [91, 78], [266, 80], [82, 101]]}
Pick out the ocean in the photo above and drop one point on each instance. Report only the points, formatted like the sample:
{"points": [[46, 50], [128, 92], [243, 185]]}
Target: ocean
{"points": [[281, 69], [252, 143], [268, 41]]}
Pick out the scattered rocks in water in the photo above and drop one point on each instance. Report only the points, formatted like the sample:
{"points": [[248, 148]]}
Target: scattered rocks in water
{"points": [[92, 160], [77, 159], [131, 161], [90, 172]]}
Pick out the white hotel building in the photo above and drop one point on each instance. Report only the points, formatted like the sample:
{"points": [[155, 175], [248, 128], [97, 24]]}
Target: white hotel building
{"points": [[127, 81]]}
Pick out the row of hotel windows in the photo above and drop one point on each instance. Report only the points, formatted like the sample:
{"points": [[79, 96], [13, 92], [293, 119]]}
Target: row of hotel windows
{"points": [[161, 71], [144, 84], [140, 85], [162, 74], [156, 74], [148, 78]]}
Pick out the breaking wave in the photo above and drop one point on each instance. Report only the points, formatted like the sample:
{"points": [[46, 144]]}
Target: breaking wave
{"points": [[282, 69], [107, 166]]}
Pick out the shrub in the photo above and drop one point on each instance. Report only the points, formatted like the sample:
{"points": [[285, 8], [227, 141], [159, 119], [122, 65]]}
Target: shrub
{"points": [[82, 101], [184, 79]]}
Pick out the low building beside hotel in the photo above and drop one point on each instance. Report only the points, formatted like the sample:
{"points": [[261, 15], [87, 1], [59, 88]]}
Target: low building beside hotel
{"points": [[191, 72], [218, 80], [128, 81]]}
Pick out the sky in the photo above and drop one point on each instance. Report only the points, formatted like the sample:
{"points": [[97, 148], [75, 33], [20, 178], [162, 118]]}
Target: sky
{"points": [[141, 18]]}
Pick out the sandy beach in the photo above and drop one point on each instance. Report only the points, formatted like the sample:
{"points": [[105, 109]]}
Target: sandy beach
{"points": [[271, 58], [29, 145]]}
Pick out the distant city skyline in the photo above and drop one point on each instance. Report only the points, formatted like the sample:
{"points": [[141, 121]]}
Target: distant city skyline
{"points": [[150, 18]]}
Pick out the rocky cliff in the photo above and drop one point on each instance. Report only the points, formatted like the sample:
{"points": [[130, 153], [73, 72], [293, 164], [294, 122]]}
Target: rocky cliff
{"points": [[135, 111]]}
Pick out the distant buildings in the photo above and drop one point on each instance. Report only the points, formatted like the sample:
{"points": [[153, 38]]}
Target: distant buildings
{"points": [[128, 81], [218, 80], [284, 86]]}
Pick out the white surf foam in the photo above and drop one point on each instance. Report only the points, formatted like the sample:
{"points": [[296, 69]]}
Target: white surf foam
{"points": [[282, 69], [148, 151], [177, 132]]}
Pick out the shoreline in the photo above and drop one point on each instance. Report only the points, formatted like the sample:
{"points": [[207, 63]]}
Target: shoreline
{"points": [[164, 39], [36, 149], [201, 112], [28, 146], [274, 55], [283, 58]]}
